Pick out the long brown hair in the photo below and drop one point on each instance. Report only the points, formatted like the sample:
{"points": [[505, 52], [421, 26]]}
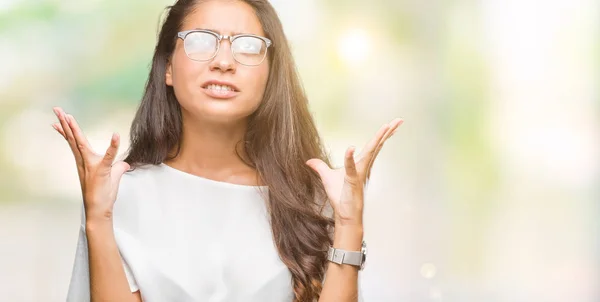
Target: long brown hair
{"points": [[281, 137]]}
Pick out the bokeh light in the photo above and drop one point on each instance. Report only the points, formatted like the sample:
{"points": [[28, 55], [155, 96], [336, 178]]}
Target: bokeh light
{"points": [[354, 46]]}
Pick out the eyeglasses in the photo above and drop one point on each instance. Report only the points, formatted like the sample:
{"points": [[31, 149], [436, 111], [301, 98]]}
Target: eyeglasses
{"points": [[203, 45]]}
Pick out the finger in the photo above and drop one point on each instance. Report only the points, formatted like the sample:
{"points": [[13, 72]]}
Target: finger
{"points": [[111, 152], [62, 117], [58, 129], [82, 143], [350, 166], [393, 132], [393, 127], [370, 147], [368, 163], [318, 166], [367, 154]]}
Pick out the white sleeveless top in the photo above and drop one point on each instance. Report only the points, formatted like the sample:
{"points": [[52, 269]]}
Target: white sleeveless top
{"points": [[187, 238]]}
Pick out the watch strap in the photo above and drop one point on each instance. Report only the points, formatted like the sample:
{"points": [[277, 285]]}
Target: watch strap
{"points": [[340, 256]]}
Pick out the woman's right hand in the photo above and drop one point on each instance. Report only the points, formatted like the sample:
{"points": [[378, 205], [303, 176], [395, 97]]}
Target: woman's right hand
{"points": [[98, 175]]}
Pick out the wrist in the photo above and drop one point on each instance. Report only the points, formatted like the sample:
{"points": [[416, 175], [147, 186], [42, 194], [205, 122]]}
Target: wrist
{"points": [[98, 215], [93, 223], [348, 237], [348, 222]]}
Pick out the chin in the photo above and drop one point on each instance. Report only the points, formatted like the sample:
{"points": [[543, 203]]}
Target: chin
{"points": [[220, 111]]}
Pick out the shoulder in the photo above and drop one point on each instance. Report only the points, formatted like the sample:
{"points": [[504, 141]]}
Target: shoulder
{"points": [[138, 181], [136, 188]]}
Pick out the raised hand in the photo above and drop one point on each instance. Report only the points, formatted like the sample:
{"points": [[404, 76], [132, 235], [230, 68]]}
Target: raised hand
{"points": [[345, 186], [98, 175]]}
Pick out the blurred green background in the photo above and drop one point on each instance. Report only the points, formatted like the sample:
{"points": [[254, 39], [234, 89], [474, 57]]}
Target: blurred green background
{"points": [[489, 192]]}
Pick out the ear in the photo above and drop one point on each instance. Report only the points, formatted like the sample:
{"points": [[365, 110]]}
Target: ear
{"points": [[169, 74]]}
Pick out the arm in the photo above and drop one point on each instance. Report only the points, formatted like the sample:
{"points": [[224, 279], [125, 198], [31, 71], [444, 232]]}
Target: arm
{"points": [[345, 191], [98, 273], [108, 281], [341, 283]]}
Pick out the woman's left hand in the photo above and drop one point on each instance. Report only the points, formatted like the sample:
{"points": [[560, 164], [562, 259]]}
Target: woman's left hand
{"points": [[345, 186]]}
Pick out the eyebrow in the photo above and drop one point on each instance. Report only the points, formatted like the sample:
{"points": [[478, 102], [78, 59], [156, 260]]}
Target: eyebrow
{"points": [[232, 34]]}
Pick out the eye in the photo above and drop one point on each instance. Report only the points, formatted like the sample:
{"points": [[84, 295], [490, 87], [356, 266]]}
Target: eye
{"points": [[200, 41], [248, 45]]}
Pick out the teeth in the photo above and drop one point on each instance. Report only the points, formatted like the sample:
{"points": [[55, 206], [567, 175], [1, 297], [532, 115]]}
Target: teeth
{"points": [[219, 87]]}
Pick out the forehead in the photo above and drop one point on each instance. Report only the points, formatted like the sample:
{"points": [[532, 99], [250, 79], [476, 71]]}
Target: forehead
{"points": [[227, 17]]}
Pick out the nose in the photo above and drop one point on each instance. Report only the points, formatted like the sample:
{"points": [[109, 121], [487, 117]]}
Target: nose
{"points": [[223, 61]]}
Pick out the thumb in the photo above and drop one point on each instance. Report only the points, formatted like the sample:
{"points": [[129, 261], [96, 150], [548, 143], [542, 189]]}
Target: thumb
{"points": [[116, 172], [318, 165]]}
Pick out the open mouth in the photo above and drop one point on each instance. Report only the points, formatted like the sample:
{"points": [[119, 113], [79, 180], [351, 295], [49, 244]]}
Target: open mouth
{"points": [[220, 88]]}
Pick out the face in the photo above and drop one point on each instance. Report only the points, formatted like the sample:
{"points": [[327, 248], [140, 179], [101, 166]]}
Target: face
{"points": [[201, 86]]}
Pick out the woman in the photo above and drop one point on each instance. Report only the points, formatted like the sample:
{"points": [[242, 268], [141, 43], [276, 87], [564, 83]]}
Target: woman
{"points": [[225, 191]]}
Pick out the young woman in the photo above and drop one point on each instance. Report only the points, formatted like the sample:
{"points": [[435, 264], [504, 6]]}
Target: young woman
{"points": [[226, 192]]}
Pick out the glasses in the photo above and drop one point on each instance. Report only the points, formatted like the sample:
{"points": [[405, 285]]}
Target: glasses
{"points": [[203, 45]]}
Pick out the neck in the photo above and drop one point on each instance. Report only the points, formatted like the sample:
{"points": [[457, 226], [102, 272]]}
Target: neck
{"points": [[211, 147]]}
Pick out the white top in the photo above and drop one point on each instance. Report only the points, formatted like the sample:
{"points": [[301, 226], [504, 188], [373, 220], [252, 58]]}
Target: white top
{"points": [[186, 238]]}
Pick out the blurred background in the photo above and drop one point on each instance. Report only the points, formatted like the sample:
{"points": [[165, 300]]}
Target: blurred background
{"points": [[489, 191]]}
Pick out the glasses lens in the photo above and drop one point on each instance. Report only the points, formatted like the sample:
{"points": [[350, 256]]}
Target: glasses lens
{"points": [[249, 50], [200, 46]]}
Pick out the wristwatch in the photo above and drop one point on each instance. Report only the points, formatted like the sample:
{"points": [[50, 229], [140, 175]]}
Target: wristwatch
{"points": [[340, 256]]}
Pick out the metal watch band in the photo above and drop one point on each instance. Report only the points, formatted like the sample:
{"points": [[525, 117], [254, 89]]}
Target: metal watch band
{"points": [[340, 256]]}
